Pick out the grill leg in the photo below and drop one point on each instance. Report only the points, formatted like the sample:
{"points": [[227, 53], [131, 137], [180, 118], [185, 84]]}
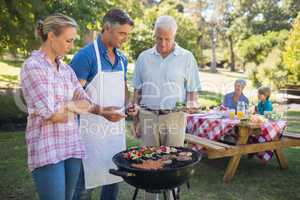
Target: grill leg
{"points": [[165, 195], [188, 185], [178, 193], [135, 193], [174, 195]]}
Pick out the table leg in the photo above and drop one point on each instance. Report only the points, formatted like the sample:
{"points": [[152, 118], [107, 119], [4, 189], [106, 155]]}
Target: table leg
{"points": [[231, 168], [235, 160], [281, 159]]}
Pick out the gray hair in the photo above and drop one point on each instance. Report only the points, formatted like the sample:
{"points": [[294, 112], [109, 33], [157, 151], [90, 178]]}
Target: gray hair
{"points": [[166, 22], [241, 82]]}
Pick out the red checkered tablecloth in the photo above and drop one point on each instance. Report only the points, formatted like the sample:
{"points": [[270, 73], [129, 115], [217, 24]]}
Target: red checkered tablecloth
{"points": [[269, 131], [208, 127], [214, 128]]}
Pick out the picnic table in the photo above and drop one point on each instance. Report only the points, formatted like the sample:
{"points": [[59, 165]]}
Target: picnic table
{"points": [[206, 131]]}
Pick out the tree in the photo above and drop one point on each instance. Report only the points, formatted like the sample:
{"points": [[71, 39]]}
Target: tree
{"points": [[214, 18], [291, 7], [291, 55], [256, 48], [246, 18], [195, 10], [18, 19], [142, 36]]}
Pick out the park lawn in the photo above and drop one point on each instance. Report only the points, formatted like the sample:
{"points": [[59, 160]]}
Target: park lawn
{"points": [[9, 73], [252, 181]]}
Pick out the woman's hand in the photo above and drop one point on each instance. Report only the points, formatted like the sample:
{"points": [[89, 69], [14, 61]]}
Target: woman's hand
{"points": [[76, 95], [79, 106], [61, 116]]}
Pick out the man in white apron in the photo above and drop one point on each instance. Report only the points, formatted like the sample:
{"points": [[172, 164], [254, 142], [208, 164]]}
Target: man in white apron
{"points": [[101, 69]]}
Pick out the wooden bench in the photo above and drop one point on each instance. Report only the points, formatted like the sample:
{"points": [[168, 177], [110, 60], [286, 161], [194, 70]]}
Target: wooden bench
{"points": [[293, 93], [220, 150]]}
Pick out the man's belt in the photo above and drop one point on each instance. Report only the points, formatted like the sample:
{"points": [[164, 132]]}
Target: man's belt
{"points": [[160, 111]]}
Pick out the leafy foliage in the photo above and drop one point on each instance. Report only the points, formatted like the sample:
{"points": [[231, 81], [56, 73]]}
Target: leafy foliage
{"points": [[143, 35], [271, 71], [257, 47], [265, 52], [18, 19], [291, 55]]}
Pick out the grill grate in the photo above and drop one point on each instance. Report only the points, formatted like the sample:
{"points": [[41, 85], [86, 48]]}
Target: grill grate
{"points": [[122, 162]]}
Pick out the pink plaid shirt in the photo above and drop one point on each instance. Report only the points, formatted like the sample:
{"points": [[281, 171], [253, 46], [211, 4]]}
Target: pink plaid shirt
{"points": [[45, 90]]}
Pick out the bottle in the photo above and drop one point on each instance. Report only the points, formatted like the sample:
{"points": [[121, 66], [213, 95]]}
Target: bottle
{"points": [[240, 109]]}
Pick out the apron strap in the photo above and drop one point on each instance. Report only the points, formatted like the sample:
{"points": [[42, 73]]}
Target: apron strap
{"points": [[123, 67], [99, 65]]}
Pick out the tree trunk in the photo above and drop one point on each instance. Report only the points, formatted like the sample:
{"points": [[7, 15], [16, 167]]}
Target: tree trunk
{"points": [[200, 43], [232, 56], [213, 48]]}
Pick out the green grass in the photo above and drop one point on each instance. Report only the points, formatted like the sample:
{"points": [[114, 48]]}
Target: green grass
{"points": [[206, 99], [16, 181], [293, 118], [252, 181], [9, 73], [13, 63]]}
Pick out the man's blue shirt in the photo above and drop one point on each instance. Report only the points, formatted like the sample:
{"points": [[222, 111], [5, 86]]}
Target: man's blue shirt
{"points": [[84, 63]]}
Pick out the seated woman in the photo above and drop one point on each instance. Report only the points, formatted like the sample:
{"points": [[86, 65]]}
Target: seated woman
{"points": [[230, 102], [264, 103], [231, 99]]}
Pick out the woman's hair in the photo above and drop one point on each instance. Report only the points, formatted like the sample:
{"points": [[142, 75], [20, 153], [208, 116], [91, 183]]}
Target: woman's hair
{"points": [[54, 23], [264, 90]]}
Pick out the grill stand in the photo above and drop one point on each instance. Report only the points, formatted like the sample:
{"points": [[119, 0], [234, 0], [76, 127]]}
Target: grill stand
{"points": [[175, 197]]}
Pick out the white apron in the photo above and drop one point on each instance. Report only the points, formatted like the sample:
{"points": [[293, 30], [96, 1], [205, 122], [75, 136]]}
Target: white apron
{"points": [[102, 138]]}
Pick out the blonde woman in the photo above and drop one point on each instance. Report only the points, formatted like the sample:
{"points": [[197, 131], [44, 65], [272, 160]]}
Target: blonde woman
{"points": [[54, 97]]}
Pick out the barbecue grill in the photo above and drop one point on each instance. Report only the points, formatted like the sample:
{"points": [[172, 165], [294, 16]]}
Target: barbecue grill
{"points": [[155, 181]]}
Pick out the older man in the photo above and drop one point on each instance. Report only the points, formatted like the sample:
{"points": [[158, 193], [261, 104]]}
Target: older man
{"points": [[164, 75], [231, 99]]}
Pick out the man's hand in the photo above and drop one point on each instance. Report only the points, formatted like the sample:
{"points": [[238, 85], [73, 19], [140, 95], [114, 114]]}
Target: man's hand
{"points": [[191, 107], [112, 113], [132, 109], [191, 110], [136, 130]]}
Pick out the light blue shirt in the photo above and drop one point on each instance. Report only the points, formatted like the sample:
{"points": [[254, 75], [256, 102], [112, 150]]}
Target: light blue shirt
{"points": [[164, 81]]}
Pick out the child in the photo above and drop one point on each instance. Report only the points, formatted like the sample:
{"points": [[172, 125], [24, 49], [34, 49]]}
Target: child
{"points": [[264, 103]]}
